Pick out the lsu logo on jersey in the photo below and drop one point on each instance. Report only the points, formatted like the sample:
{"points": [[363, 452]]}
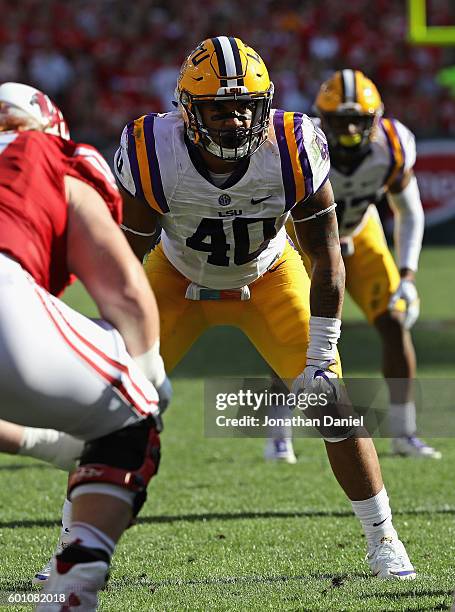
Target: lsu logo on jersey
{"points": [[321, 143]]}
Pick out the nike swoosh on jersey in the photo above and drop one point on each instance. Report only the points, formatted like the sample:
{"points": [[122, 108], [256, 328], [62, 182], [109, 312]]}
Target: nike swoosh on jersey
{"points": [[253, 201]]}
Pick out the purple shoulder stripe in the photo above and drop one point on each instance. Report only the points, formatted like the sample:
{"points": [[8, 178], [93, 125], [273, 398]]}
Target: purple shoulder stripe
{"points": [[393, 159], [155, 174], [286, 166], [303, 156], [393, 122], [133, 161]]}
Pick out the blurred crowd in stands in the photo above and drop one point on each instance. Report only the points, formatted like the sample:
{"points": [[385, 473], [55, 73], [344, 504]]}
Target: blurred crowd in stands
{"points": [[108, 61]]}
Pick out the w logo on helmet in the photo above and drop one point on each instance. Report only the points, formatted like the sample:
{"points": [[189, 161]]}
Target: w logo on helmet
{"points": [[47, 109], [51, 117]]}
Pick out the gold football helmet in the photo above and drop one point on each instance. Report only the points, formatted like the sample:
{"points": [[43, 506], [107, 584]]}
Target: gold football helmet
{"points": [[223, 69], [349, 106]]}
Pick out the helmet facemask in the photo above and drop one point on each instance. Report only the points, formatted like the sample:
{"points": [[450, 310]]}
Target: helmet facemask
{"points": [[230, 144], [351, 132]]}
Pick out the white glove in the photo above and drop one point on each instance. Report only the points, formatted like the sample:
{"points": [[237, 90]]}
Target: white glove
{"points": [[164, 394], [164, 397], [407, 291], [318, 379], [151, 363]]}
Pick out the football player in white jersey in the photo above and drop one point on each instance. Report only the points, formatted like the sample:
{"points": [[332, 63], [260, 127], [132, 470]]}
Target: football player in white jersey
{"points": [[223, 173], [372, 156]]}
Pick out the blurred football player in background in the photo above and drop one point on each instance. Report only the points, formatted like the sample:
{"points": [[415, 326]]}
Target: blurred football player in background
{"points": [[372, 156], [59, 214]]}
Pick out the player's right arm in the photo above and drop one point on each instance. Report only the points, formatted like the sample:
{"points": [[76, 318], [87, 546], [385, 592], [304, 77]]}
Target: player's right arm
{"points": [[99, 255], [139, 218], [139, 224]]}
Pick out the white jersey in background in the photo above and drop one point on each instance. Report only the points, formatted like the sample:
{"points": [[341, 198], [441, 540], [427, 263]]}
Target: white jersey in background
{"points": [[392, 153]]}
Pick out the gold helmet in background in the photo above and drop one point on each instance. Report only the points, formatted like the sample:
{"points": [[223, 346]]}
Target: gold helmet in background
{"points": [[349, 106], [223, 69]]}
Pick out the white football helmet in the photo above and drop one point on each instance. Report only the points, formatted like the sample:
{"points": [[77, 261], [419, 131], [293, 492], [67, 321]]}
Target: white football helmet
{"points": [[19, 101]]}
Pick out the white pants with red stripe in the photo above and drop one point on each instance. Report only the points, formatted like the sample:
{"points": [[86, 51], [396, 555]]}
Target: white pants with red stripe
{"points": [[61, 370]]}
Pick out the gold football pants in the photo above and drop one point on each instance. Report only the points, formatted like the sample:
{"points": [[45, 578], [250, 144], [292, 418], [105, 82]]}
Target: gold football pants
{"points": [[275, 318]]}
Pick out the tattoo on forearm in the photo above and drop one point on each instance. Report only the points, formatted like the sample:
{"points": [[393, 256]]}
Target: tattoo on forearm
{"points": [[321, 242], [327, 291]]}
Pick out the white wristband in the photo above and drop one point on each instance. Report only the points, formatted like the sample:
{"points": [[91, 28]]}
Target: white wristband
{"points": [[151, 363], [324, 334]]}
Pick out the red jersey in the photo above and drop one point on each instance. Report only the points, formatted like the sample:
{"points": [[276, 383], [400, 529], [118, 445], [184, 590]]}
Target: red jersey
{"points": [[33, 206]]}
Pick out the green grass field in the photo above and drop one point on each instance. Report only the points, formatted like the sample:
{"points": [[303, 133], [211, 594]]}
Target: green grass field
{"points": [[222, 530]]}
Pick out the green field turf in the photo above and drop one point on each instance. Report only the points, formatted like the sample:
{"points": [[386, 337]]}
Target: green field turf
{"points": [[222, 530], [435, 281]]}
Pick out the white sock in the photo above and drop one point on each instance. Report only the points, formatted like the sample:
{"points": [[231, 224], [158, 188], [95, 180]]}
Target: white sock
{"points": [[66, 514], [402, 419], [376, 517], [66, 524], [91, 537], [280, 431]]}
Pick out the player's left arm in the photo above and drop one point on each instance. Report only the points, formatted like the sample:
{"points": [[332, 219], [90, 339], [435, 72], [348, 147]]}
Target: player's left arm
{"points": [[404, 199], [316, 229]]}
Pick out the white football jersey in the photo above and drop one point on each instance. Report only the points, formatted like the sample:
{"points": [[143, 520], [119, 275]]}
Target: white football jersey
{"points": [[392, 153], [222, 237]]}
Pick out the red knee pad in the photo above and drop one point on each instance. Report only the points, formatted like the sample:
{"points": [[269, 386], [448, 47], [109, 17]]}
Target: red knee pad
{"points": [[127, 458]]}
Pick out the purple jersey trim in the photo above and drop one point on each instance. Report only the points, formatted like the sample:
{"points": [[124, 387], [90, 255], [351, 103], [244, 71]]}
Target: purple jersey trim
{"points": [[133, 161], [393, 160], [285, 159], [303, 156], [155, 175]]}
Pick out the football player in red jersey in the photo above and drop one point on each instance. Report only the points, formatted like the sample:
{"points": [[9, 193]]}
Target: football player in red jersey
{"points": [[59, 210]]}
